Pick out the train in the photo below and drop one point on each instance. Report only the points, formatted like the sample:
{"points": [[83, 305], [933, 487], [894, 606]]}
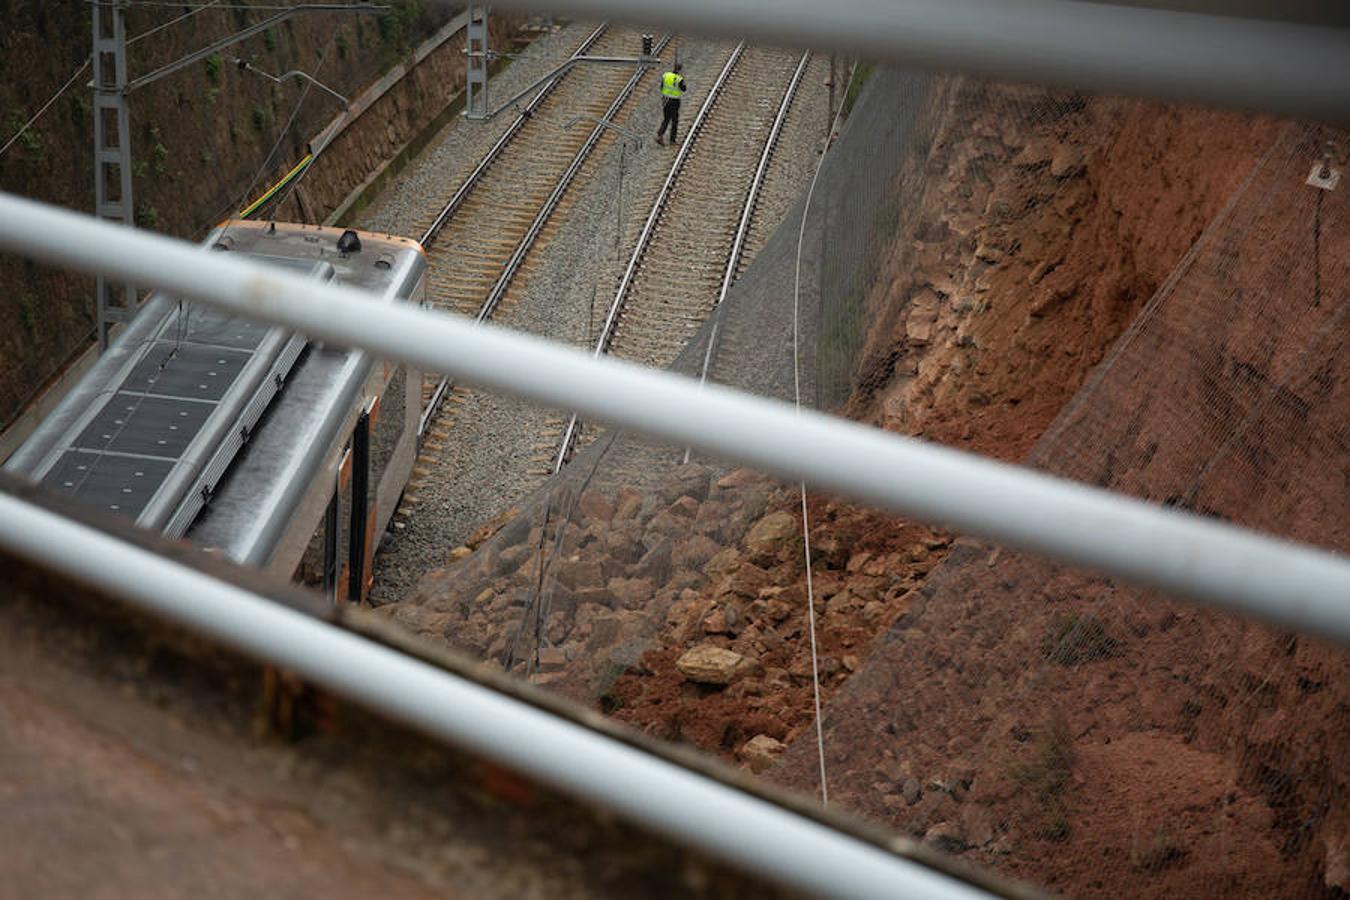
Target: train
{"points": [[246, 438]]}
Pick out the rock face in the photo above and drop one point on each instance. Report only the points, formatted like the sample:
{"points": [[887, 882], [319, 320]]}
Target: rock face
{"points": [[709, 664]]}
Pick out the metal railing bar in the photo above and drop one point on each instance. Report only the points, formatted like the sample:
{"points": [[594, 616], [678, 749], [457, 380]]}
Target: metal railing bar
{"points": [[1215, 563], [1280, 67]]}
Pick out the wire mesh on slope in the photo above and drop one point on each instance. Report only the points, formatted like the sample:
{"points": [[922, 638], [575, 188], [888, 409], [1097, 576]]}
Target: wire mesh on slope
{"points": [[1070, 728]]}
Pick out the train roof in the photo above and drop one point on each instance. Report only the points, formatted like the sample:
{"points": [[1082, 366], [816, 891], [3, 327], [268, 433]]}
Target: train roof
{"points": [[151, 429]]}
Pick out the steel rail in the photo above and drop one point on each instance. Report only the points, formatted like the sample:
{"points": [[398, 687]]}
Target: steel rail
{"points": [[644, 239], [1280, 67], [551, 204], [746, 830], [445, 385], [1227, 567], [747, 215], [461, 194], [748, 212]]}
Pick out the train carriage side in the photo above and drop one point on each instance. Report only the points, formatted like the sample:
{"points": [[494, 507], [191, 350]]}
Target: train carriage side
{"points": [[323, 472], [245, 437]]}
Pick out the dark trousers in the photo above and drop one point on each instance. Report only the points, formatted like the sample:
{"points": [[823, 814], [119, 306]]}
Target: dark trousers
{"points": [[671, 116]]}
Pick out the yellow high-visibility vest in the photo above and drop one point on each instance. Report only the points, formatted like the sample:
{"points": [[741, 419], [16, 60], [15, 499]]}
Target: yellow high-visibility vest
{"points": [[672, 85]]}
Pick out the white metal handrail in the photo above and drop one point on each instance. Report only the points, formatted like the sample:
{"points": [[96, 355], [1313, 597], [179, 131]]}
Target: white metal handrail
{"points": [[1280, 67], [1228, 567], [766, 839]]}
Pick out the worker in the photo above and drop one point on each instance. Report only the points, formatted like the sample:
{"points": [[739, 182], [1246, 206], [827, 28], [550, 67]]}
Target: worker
{"points": [[672, 89]]}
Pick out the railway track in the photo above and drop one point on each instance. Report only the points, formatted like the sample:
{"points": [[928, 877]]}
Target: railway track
{"points": [[466, 286], [481, 241], [698, 235]]}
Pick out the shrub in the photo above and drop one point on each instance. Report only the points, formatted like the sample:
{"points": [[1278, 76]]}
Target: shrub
{"points": [[1076, 639], [259, 117], [213, 65], [147, 216]]}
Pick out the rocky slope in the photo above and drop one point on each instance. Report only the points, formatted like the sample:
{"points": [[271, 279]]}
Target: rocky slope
{"points": [[1050, 723]]}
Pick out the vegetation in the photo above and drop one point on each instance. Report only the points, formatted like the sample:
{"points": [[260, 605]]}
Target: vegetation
{"points": [[147, 216], [861, 73], [1078, 639], [1045, 775], [30, 140], [259, 117], [213, 65], [28, 313], [1160, 850]]}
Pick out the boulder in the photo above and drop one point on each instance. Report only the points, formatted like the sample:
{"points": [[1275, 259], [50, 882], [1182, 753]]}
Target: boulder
{"points": [[490, 528], [761, 752], [623, 547], [747, 581], [627, 503], [595, 507], [632, 593], [708, 664], [685, 507], [655, 563], [723, 562], [739, 478], [578, 573], [694, 551], [770, 536], [728, 620], [552, 659], [947, 837]]}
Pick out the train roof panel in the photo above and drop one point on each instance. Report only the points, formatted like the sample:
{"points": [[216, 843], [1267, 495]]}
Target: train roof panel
{"points": [[368, 268]]}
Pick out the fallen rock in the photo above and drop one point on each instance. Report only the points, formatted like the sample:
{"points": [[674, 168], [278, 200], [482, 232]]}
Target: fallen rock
{"points": [[911, 790], [578, 573], [552, 659], [459, 553], [655, 563], [946, 836], [492, 527], [595, 507], [693, 552], [767, 537], [761, 752], [632, 593], [723, 562], [747, 581], [707, 664], [685, 507], [627, 506], [739, 478]]}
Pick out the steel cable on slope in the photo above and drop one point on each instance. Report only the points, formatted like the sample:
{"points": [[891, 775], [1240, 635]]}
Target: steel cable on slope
{"points": [[797, 402]]}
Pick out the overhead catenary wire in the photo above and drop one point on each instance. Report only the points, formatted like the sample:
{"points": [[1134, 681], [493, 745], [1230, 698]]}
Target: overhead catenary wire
{"points": [[46, 106], [174, 21], [296, 173]]}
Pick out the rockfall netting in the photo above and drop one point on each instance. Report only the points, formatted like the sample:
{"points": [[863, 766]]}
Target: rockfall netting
{"points": [[1098, 737], [1052, 723]]}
